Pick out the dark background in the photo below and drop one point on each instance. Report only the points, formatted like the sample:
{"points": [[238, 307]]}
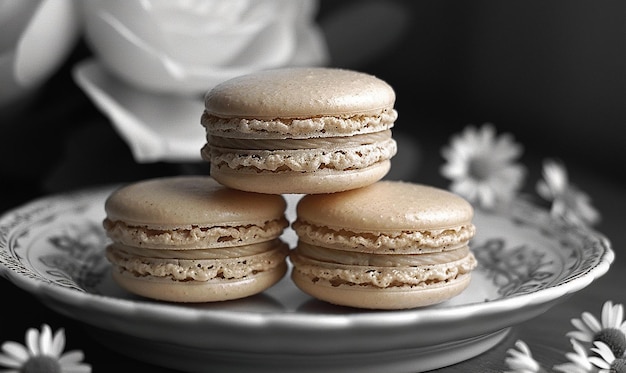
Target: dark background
{"points": [[553, 73]]}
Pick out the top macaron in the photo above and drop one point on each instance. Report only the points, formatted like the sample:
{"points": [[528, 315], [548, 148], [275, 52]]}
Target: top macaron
{"points": [[303, 130]]}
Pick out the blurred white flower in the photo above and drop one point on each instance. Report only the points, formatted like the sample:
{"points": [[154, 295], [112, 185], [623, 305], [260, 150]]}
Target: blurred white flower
{"points": [[568, 202], [43, 353], [520, 359], [36, 37], [155, 59], [188, 46], [481, 166], [578, 361]]}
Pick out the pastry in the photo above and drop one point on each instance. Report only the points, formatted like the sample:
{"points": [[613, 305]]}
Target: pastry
{"points": [[299, 130], [390, 245], [190, 239]]}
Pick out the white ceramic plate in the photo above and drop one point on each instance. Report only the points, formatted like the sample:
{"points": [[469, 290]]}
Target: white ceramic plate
{"points": [[53, 248]]}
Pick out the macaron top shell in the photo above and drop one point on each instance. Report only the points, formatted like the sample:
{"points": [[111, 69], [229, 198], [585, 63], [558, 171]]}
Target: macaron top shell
{"points": [[184, 201], [387, 206], [300, 92]]}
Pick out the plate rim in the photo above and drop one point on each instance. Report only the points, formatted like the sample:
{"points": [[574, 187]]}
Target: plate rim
{"points": [[50, 292]]}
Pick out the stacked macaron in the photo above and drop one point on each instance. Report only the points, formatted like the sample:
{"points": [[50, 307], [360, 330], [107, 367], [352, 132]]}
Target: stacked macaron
{"points": [[300, 130], [390, 245], [190, 239], [326, 133], [321, 132]]}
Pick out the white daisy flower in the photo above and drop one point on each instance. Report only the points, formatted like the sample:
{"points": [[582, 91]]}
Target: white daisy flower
{"points": [[578, 361], [43, 353], [606, 360], [520, 359], [611, 329], [568, 202], [481, 166]]}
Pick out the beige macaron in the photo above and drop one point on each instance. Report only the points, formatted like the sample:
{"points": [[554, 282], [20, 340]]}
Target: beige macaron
{"points": [[299, 130], [390, 245], [190, 239]]}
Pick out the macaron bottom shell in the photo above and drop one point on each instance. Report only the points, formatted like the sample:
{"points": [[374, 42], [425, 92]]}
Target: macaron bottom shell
{"points": [[371, 297], [290, 182], [217, 289]]}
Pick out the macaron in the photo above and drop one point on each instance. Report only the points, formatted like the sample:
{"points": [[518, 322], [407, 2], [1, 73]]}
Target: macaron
{"points": [[301, 130], [390, 245], [190, 239]]}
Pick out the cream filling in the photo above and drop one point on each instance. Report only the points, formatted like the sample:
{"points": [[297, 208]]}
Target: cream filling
{"points": [[203, 269], [323, 126], [327, 255], [307, 160], [405, 242], [193, 237], [338, 142], [381, 276], [199, 254]]}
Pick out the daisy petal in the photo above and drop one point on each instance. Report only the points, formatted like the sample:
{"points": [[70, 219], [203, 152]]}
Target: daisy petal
{"points": [[582, 327], [591, 322], [15, 350], [82, 368], [10, 361], [72, 357], [604, 351], [45, 340], [32, 341], [58, 343], [600, 363], [581, 336]]}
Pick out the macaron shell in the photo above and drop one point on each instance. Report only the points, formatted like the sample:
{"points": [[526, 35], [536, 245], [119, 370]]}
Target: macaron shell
{"points": [[186, 201], [376, 298], [299, 92], [321, 181], [387, 206]]}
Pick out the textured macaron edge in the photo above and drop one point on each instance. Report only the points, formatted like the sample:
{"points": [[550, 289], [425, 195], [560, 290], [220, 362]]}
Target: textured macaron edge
{"points": [[299, 128], [382, 298], [199, 291], [321, 181], [199, 268]]}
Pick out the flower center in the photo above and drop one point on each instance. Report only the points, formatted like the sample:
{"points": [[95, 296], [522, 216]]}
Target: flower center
{"points": [[480, 168], [614, 338], [41, 364], [618, 366]]}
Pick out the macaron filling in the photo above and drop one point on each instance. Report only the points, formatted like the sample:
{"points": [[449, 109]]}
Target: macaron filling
{"points": [[302, 155], [401, 241], [203, 265], [328, 255], [194, 237], [337, 274], [299, 128]]}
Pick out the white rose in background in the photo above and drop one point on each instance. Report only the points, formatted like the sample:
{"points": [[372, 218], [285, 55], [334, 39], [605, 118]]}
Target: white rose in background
{"points": [[36, 36], [185, 47], [155, 59]]}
